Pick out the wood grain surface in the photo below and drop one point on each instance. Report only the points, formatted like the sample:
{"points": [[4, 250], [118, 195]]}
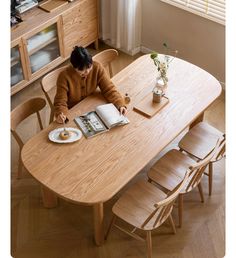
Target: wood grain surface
{"points": [[93, 170]]}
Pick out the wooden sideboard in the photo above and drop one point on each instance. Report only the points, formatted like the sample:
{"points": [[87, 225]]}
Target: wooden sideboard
{"points": [[44, 40]]}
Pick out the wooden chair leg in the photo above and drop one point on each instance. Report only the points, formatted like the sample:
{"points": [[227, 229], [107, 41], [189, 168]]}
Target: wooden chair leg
{"points": [[149, 244], [210, 177], [180, 208], [110, 226], [200, 191], [172, 223]]}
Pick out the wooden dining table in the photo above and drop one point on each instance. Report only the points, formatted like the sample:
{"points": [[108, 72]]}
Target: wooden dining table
{"points": [[91, 171]]}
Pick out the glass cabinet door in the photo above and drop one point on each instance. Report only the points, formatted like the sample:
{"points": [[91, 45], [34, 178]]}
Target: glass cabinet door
{"points": [[43, 48], [16, 66]]}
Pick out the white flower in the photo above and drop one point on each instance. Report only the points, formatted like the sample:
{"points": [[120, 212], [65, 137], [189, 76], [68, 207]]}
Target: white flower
{"points": [[162, 63], [162, 66]]}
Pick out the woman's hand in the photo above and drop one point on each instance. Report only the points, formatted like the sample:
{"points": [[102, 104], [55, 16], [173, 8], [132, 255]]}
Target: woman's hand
{"points": [[123, 111], [61, 118]]}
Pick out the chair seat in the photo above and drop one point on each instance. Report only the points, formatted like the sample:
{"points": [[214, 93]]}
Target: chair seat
{"points": [[136, 204], [170, 169], [200, 140]]}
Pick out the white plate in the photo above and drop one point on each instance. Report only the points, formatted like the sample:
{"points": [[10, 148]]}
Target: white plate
{"points": [[75, 135]]}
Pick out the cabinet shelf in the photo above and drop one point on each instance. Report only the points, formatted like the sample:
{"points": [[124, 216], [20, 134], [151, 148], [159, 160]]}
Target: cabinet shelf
{"points": [[31, 52], [15, 61]]}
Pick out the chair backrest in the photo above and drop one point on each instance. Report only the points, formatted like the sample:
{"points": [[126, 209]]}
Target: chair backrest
{"points": [[197, 170], [105, 58], [164, 207], [23, 111], [221, 150], [47, 83]]}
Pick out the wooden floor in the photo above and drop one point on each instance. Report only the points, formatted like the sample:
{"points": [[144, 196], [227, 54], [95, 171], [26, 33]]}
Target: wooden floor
{"points": [[67, 231]]}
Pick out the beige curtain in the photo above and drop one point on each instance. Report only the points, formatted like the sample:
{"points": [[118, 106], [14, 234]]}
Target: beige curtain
{"points": [[120, 24]]}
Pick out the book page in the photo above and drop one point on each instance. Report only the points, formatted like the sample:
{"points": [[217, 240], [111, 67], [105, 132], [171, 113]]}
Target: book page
{"points": [[110, 115], [90, 124]]}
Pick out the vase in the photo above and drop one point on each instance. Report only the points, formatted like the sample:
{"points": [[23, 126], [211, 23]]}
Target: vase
{"points": [[161, 83]]}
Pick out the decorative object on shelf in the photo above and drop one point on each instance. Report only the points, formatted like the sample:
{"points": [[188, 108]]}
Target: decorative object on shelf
{"points": [[127, 98], [162, 63], [22, 6], [15, 19], [157, 95]]}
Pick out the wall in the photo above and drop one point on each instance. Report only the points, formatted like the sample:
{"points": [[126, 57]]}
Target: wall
{"points": [[198, 40]]}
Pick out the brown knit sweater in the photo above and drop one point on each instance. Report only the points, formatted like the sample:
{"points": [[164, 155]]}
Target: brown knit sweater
{"points": [[71, 88]]}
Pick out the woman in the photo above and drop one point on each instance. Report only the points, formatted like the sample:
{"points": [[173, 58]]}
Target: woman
{"points": [[80, 80]]}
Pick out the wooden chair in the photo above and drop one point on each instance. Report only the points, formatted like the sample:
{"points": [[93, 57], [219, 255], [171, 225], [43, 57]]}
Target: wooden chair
{"points": [[145, 207], [199, 142], [19, 114], [48, 83], [105, 58], [169, 170]]}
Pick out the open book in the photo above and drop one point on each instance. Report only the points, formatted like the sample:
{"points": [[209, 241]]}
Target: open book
{"points": [[101, 120]]}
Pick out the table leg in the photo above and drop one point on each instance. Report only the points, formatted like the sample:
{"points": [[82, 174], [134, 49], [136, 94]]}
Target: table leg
{"points": [[197, 120], [50, 200], [98, 215]]}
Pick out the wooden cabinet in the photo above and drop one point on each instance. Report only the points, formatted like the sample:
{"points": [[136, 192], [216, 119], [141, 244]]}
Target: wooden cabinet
{"points": [[44, 40], [80, 25]]}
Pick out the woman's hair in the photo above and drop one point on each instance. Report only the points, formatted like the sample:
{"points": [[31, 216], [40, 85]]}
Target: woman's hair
{"points": [[80, 58]]}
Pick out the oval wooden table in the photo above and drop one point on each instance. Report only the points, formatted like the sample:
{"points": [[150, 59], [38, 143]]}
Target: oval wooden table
{"points": [[91, 171]]}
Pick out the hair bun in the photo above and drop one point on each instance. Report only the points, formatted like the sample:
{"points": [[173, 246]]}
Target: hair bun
{"points": [[80, 50], [80, 58]]}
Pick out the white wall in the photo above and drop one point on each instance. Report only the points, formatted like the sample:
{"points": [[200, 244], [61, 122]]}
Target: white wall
{"points": [[198, 40]]}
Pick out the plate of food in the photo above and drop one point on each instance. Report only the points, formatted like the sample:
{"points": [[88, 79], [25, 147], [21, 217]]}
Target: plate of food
{"points": [[65, 135]]}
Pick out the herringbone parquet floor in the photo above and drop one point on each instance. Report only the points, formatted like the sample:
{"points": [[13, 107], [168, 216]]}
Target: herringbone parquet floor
{"points": [[67, 231]]}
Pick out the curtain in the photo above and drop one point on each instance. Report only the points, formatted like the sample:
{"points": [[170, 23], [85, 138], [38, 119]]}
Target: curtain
{"points": [[120, 24]]}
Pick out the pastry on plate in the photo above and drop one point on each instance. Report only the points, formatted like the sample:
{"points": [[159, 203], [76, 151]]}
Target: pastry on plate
{"points": [[64, 135]]}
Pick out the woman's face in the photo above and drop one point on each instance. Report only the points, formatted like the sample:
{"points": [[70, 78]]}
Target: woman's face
{"points": [[84, 73]]}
